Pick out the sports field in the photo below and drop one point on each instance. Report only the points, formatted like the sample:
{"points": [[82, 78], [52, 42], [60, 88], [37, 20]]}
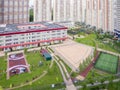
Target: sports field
{"points": [[107, 62], [73, 53]]}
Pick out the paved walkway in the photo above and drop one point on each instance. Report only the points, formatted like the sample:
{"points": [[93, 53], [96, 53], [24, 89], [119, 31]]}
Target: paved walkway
{"points": [[66, 77], [2, 53], [68, 81], [99, 83], [86, 71], [116, 54]]}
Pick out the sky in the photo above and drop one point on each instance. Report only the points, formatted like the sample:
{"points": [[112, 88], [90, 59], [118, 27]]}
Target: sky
{"points": [[31, 2]]}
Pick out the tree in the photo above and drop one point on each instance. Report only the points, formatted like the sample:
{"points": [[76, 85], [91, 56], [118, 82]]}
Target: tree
{"points": [[100, 30], [84, 86], [31, 15], [25, 50], [77, 24], [94, 28], [110, 85], [1, 88]]}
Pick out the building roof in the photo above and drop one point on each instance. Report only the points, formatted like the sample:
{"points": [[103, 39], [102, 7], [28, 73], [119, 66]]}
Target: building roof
{"points": [[47, 56], [28, 27]]}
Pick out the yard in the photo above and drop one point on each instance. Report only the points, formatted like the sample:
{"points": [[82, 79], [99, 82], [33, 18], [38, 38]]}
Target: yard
{"points": [[33, 58], [52, 77], [107, 62], [91, 39]]}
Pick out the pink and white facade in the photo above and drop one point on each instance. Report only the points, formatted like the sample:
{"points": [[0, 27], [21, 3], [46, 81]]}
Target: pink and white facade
{"points": [[100, 13], [19, 36]]}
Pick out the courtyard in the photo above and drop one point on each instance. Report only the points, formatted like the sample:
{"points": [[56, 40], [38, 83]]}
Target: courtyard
{"points": [[72, 53], [33, 58]]}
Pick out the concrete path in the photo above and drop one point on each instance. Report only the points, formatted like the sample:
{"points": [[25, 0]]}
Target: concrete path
{"points": [[64, 72], [99, 83], [68, 81], [116, 54]]}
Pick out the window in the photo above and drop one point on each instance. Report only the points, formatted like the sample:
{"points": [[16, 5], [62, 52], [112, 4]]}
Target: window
{"points": [[15, 42], [22, 34], [33, 37], [38, 33], [28, 41], [16, 39], [38, 36], [38, 39], [29, 27], [33, 40], [8, 43], [58, 30], [7, 40], [1, 41], [8, 36], [22, 42], [59, 34], [23, 38]]}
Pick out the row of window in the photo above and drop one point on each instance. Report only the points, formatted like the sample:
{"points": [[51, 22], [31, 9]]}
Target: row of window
{"points": [[32, 34], [8, 38], [21, 42], [34, 37]]}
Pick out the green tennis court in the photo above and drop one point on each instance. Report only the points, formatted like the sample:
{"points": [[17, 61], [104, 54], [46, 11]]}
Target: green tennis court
{"points": [[107, 62]]}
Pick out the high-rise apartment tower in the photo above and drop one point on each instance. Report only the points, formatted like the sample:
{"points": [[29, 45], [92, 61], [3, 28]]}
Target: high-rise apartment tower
{"points": [[117, 18], [68, 10], [99, 13], [42, 10], [14, 11]]}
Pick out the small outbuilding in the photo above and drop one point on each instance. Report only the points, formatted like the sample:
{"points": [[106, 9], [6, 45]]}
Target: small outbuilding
{"points": [[46, 54]]}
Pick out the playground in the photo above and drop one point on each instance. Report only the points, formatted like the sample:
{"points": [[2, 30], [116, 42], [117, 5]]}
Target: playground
{"points": [[16, 64]]}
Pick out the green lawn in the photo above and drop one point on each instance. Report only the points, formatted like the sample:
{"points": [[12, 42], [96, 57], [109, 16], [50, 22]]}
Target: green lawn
{"points": [[67, 67], [107, 62], [96, 74], [2, 65], [87, 40], [33, 59], [92, 40], [53, 77]]}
